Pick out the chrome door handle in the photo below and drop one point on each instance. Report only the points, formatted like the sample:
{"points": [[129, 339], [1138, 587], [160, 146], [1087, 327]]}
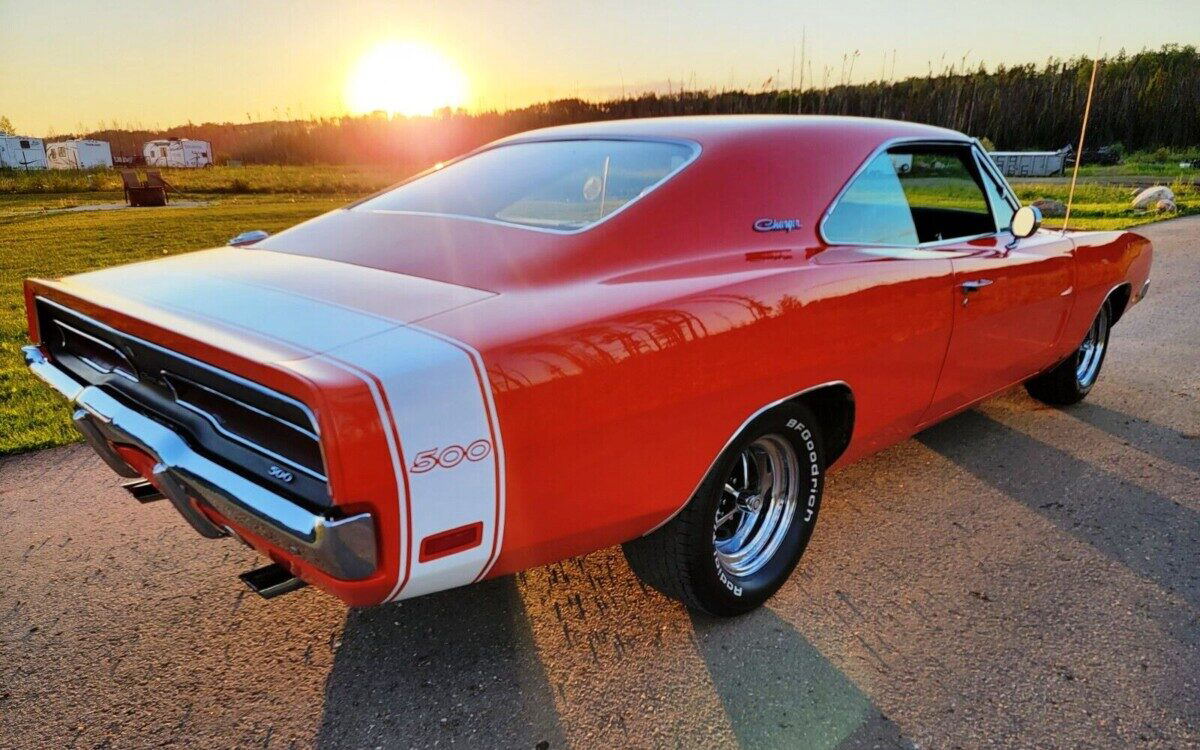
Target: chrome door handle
{"points": [[976, 285]]}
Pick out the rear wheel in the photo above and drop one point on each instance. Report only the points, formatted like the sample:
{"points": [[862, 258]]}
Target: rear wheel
{"points": [[739, 537], [1071, 380]]}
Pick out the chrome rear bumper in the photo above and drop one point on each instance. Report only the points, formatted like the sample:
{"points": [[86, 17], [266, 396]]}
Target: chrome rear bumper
{"points": [[344, 548]]}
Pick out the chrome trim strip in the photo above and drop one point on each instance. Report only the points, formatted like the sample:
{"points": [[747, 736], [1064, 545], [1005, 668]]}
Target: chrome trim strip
{"points": [[696, 151], [131, 374], [982, 156], [236, 437], [238, 401], [881, 148], [344, 548], [761, 410]]}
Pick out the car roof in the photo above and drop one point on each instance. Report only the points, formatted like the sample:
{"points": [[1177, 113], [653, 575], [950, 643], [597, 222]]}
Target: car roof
{"points": [[710, 129]]}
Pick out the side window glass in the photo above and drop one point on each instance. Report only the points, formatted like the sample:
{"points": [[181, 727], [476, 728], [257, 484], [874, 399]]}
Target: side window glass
{"points": [[944, 192], [873, 210], [1002, 210]]}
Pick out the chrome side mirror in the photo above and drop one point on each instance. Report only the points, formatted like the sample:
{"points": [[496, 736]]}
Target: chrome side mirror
{"points": [[249, 238], [1025, 221]]}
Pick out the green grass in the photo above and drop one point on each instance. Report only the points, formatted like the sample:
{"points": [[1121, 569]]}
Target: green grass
{"points": [[38, 238], [250, 179], [34, 243], [1096, 206], [1099, 206], [1169, 170]]}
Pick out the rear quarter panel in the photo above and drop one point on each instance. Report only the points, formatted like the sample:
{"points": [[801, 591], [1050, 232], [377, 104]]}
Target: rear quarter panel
{"points": [[609, 424]]}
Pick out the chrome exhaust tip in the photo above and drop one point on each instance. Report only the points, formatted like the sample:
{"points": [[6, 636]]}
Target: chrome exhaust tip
{"points": [[143, 491], [271, 581]]}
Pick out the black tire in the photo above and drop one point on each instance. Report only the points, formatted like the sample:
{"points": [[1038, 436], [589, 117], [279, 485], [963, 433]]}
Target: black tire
{"points": [[1072, 379], [682, 559]]}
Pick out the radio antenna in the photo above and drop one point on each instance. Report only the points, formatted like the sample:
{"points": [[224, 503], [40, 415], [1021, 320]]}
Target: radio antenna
{"points": [[1087, 110]]}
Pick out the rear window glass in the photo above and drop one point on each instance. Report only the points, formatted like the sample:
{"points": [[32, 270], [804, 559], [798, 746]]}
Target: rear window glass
{"points": [[562, 185]]}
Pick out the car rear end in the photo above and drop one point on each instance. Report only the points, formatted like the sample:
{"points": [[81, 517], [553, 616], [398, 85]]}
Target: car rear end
{"points": [[283, 444]]}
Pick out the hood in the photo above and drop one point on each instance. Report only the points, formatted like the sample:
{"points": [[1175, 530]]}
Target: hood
{"points": [[303, 303]]}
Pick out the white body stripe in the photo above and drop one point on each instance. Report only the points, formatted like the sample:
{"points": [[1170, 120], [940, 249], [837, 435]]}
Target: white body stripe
{"points": [[440, 410], [498, 447], [436, 387], [304, 322]]}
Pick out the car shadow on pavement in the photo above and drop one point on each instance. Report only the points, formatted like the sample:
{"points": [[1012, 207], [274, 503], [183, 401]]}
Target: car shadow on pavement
{"points": [[779, 691], [462, 668], [457, 667], [1152, 535], [1147, 436]]}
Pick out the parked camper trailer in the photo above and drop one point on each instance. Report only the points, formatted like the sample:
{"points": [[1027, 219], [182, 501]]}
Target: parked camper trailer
{"points": [[177, 152], [1031, 163], [79, 154], [21, 152]]}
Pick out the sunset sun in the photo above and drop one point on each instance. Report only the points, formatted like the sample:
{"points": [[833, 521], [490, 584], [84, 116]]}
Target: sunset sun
{"points": [[407, 78]]}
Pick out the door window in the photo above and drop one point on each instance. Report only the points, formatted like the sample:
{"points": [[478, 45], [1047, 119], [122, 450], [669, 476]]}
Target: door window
{"points": [[944, 192], [913, 195]]}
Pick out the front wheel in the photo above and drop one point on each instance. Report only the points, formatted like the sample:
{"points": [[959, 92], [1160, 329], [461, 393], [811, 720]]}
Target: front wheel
{"points": [[1070, 381], [742, 533]]}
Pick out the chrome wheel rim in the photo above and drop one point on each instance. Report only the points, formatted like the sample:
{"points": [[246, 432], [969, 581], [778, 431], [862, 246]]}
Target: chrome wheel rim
{"points": [[757, 505], [1091, 352]]}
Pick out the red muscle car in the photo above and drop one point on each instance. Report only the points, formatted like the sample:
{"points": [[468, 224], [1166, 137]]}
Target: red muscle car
{"points": [[655, 333]]}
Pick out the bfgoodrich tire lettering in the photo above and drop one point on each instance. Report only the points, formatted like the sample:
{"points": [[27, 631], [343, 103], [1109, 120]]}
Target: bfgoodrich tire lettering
{"points": [[742, 533]]}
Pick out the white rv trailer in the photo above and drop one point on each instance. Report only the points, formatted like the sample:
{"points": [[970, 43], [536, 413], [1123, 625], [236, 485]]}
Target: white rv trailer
{"points": [[21, 152], [177, 152], [79, 154]]}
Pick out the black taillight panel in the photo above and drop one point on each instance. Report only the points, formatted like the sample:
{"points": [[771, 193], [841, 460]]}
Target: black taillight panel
{"points": [[263, 434]]}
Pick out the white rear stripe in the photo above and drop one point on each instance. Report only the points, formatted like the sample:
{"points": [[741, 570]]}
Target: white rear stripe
{"points": [[485, 388], [302, 321], [437, 404]]}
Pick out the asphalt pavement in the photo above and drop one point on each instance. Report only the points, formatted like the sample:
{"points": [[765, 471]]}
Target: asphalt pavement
{"points": [[1019, 576]]}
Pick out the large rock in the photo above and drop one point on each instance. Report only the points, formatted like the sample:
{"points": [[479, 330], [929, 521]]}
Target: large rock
{"points": [[1050, 207], [1152, 195]]}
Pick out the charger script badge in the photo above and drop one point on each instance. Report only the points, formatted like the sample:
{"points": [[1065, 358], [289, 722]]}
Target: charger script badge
{"points": [[776, 225]]}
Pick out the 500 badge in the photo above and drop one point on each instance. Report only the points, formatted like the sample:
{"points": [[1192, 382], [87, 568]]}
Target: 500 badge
{"points": [[450, 456]]}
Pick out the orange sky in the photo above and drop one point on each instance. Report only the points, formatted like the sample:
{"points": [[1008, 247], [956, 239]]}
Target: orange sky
{"points": [[69, 66]]}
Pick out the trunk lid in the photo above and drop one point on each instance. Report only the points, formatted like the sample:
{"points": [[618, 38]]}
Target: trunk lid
{"points": [[290, 305]]}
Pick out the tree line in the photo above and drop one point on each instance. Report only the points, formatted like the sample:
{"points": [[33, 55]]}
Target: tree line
{"points": [[1146, 100]]}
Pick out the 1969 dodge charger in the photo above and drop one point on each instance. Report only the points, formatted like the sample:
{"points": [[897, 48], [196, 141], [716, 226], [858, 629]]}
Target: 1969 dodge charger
{"points": [[658, 333]]}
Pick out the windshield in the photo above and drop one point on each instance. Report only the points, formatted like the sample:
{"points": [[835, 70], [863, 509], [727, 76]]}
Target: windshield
{"points": [[563, 185]]}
